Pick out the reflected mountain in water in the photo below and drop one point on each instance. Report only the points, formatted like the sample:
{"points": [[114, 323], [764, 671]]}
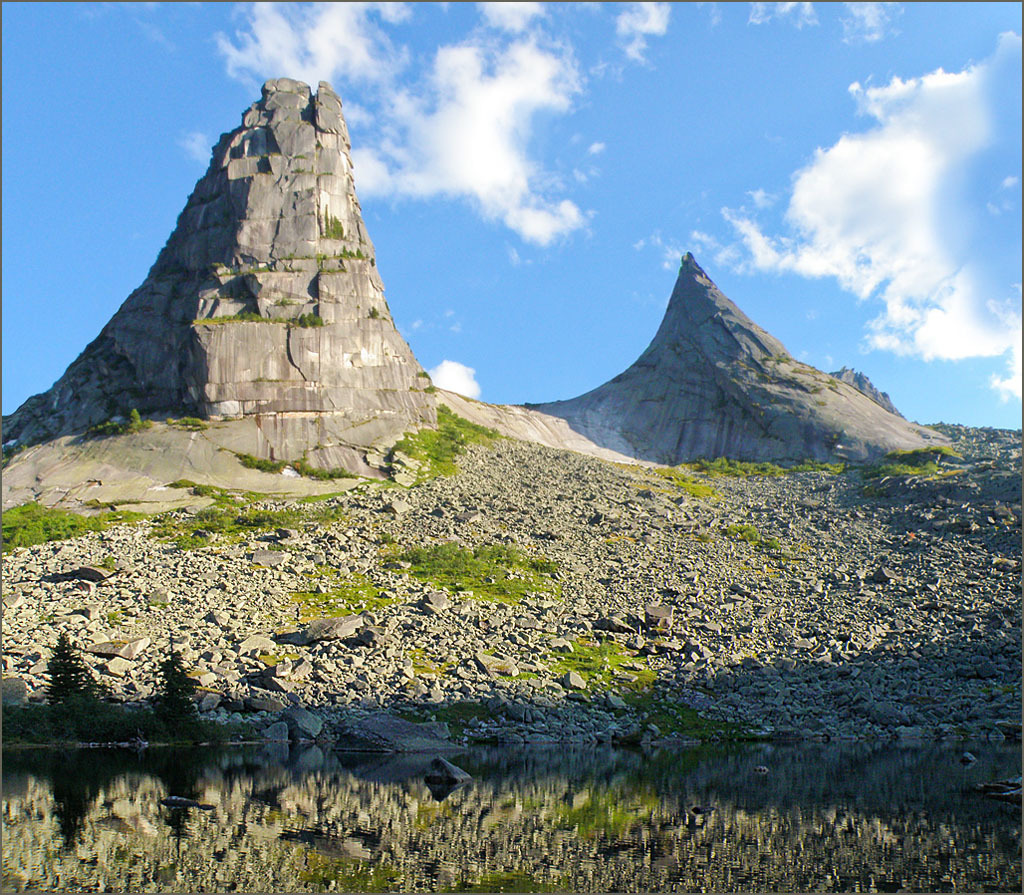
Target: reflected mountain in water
{"points": [[828, 817]]}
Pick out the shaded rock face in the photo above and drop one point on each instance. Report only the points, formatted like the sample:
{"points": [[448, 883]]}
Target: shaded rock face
{"points": [[861, 382], [712, 383], [272, 234]]}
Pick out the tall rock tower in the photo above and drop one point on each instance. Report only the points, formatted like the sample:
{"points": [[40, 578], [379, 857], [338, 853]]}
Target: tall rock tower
{"points": [[265, 306]]}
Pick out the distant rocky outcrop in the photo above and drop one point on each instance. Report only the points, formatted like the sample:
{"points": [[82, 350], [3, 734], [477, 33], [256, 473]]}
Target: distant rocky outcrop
{"points": [[712, 383], [265, 306], [861, 382]]}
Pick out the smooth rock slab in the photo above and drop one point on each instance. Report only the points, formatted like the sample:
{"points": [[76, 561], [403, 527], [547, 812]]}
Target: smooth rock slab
{"points": [[121, 649], [328, 629], [269, 558]]}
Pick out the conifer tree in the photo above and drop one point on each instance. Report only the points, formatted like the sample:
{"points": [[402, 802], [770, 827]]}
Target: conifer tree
{"points": [[69, 675], [174, 701]]}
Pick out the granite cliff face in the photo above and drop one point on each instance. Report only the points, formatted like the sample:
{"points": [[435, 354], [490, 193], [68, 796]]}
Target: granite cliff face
{"points": [[265, 306], [712, 383]]}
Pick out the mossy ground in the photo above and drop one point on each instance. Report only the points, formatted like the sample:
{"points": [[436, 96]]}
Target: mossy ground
{"points": [[603, 664], [346, 595], [436, 449], [456, 715], [233, 517], [496, 572], [32, 523]]}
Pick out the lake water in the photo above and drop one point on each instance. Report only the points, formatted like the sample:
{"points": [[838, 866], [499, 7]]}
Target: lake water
{"points": [[825, 817]]}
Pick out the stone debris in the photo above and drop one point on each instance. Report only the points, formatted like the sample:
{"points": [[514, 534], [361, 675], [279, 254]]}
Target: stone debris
{"points": [[800, 641]]}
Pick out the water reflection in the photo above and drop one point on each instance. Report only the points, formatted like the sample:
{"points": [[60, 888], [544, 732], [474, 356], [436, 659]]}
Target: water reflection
{"points": [[825, 817]]}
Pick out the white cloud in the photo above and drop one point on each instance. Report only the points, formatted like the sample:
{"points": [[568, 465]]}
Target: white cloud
{"points": [[455, 377], [466, 135], [511, 16], [197, 146], [761, 198], [314, 42], [637, 22], [799, 13], [598, 148], [866, 22], [883, 212], [1009, 182]]}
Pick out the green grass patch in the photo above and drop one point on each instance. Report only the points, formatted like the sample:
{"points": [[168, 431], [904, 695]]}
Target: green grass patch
{"points": [[723, 466], [303, 468], [251, 462], [603, 664], [457, 716], [673, 719], [231, 523], [32, 523], [496, 572], [920, 461], [752, 536], [436, 449], [353, 593], [134, 423], [188, 423], [675, 476]]}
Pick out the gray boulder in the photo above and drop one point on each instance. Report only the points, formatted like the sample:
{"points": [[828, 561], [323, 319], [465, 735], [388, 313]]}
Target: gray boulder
{"points": [[385, 733], [301, 723]]}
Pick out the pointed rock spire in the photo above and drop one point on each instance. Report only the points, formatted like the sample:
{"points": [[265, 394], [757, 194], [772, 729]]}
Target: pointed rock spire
{"points": [[265, 305], [712, 383]]}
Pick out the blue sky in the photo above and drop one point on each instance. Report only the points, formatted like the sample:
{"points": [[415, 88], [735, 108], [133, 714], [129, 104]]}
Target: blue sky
{"points": [[849, 174]]}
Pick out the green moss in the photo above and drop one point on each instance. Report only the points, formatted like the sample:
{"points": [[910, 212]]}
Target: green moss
{"points": [[251, 462], [602, 664], [436, 449], [675, 476], [354, 593], [230, 523], [497, 572], [752, 536], [303, 468], [32, 523], [189, 423], [673, 719]]}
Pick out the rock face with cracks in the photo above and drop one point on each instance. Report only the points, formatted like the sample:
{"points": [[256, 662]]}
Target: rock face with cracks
{"points": [[265, 305], [712, 383]]}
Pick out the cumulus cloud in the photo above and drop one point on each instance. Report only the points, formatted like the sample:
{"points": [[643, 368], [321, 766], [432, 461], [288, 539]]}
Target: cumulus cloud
{"points": [[866, 22], [883, 212], [455, 377], [197, 146], [595, 149], [314, 42], [510, 16], [466, 135], [799, 14], [637, 22]]}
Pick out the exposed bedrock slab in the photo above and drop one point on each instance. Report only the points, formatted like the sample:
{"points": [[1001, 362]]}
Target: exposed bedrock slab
{"points": [[264, 305], [712, 383]]}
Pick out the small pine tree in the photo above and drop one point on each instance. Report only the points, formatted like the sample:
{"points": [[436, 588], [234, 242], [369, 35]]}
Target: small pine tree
{"points": [[134, 420], [174, 703], [69, 675]]}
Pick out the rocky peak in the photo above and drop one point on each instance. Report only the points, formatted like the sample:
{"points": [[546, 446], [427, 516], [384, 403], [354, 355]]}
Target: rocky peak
{"points": [[861, 382], [265, 305], [713, 383]]}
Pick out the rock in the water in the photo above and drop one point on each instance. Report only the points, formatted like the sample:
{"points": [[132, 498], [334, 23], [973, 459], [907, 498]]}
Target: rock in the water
{"points": [[276, 731], [385, 733], [303, 724], [712, 383], [442, 771]]}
